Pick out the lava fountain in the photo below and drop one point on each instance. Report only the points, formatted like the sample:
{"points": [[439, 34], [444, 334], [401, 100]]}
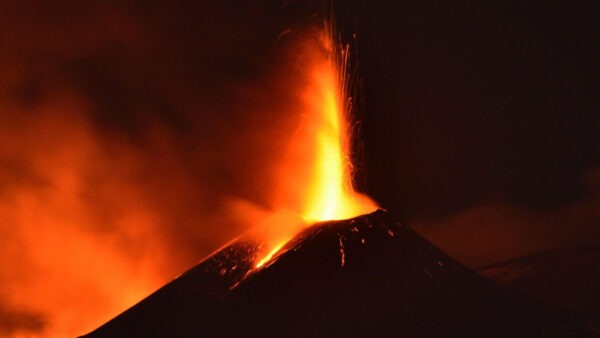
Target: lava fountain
{"points": [[316, 174]]}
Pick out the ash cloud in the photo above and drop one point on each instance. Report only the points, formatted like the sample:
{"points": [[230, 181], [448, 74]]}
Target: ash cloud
{"points": [[130, 132], [12, 322]]}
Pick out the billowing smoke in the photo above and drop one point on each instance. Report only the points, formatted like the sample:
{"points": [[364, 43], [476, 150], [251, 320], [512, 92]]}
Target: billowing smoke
{"points": [[131, 136]]}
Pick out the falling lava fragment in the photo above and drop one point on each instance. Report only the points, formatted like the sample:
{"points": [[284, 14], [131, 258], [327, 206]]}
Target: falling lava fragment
{"points": [[364, 277]]}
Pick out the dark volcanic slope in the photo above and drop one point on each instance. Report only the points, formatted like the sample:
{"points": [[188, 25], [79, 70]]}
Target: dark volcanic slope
{"points": [[364, 277]]}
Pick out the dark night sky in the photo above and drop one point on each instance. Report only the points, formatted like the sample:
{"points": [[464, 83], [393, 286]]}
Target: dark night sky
{"points": [[484, 112], [466, 101]]}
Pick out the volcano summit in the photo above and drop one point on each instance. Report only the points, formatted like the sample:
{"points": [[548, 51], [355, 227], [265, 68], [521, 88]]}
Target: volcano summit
{"points": [[364, 277]]}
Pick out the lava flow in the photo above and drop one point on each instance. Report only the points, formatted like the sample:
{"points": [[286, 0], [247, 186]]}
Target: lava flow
{"points": [[317, 173]]}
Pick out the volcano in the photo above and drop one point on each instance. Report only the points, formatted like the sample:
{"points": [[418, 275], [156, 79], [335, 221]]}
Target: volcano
{"points": [[368, 276]]}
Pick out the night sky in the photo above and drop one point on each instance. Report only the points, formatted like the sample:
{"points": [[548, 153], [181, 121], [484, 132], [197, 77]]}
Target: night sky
{"points": [[476, 100], [488, 109], [131, 131]]}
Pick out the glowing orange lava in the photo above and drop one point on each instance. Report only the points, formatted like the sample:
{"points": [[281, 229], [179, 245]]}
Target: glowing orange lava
{"points": [[330, 194], [320, 167]]}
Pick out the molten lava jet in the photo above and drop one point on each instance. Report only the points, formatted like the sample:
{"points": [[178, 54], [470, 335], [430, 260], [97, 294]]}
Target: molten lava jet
{"points": [[315, 175]]}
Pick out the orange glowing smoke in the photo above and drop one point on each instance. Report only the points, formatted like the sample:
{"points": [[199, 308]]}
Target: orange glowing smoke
{"points": [[318, 169]]}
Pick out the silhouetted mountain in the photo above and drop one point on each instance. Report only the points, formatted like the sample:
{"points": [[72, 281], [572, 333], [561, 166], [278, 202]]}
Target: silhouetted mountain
{"points": [[364, 277]]}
